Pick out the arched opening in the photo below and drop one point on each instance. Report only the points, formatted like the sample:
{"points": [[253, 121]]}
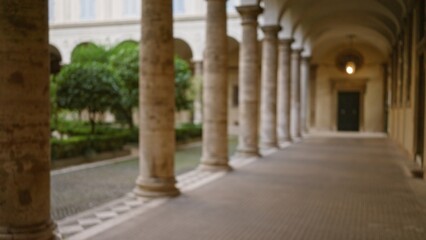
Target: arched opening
{"points": [[183, 50], [183, 82], [55, 59]]}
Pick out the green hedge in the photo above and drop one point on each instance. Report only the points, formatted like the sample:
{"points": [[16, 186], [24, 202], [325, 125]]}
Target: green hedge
{"points": [[188, 132], [87, 145], [110, 140], [79, 128]]}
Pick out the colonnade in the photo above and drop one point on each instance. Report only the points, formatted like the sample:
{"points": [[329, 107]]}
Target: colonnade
{"points": [[269, 109], [404, 81]]}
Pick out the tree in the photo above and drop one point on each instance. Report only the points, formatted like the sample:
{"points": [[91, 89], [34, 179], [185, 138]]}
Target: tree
{"points": [[88, 53], [124, 60], [89, 86], [183, 86]]}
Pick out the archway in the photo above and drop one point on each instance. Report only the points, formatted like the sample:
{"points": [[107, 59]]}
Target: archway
{"points": [[183, 50], [55, 59]]}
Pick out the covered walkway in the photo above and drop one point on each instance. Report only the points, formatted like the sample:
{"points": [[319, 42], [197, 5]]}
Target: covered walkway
{"points": [[323, 188]]}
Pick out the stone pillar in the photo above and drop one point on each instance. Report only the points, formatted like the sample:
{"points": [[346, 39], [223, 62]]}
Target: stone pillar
{"points": [[296, 133], [304, 84], [248, 141], [198, 102], [24, 121], [268, 108], [215, 89], [284, 87], [157, 102]]}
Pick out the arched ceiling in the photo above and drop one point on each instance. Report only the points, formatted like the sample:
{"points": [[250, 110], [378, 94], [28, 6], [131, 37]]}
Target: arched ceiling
{"points": [[321, 24]]}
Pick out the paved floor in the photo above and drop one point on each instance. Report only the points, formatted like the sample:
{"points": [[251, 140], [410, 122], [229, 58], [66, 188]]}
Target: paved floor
{"points": [[324, 188], [76, 191]]}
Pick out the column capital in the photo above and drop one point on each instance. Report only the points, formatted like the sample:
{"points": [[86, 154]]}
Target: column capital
{"points": [[306, 58], [271, 30], [198, 67], [286, 41], [249, 13], [297, 50], [197, 62]]}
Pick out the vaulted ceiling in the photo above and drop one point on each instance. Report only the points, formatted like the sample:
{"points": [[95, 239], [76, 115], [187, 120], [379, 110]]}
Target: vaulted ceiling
{"points": [[321, 25]]}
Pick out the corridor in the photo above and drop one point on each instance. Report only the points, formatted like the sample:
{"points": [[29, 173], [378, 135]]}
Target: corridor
{"points": [[324, 188]]}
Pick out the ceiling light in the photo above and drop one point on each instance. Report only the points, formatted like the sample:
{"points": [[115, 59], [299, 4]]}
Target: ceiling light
{"points": [[350, 68]]}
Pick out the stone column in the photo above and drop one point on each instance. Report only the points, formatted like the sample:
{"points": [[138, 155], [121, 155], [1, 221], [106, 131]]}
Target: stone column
{"points": [[248, 141], [268, 108], [24, 121], [284, 87], [198, 81], [215, 89], [304, 84], [296, 133], [157, 102]]}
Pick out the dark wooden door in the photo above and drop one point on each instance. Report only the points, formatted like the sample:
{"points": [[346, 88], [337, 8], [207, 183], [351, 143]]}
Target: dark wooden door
{"points": [[348, 111]]}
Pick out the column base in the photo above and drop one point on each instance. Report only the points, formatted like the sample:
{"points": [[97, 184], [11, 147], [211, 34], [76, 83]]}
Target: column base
{"points": [[247, 153], [41, 232], [285, 144], [156, 188], [214, 167], [268, 146]]}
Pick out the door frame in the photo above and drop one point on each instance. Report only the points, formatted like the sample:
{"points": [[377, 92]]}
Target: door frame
{"points": [[348, 85]]}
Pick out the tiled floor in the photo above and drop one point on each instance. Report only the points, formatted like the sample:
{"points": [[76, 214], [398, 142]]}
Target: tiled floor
{"points": [[323, 188]]}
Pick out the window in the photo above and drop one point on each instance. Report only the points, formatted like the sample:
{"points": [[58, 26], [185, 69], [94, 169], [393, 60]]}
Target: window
{"points": [[178, 6], [87, 9], [131, 8], [51, 10]]}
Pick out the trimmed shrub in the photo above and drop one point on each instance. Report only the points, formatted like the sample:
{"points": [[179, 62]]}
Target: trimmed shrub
{"points": [[107, 138], [188, 131], [87, 145]]}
